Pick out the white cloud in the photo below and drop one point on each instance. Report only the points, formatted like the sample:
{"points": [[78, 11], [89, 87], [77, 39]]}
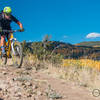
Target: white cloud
{"points": [[93, 35]]}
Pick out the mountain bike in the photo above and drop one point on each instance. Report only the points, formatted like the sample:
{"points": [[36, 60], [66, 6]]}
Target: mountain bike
{"points": [[13, 50]]}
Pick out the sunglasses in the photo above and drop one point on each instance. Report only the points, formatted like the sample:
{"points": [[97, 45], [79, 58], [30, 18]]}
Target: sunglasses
{"points": [[8, 14]]}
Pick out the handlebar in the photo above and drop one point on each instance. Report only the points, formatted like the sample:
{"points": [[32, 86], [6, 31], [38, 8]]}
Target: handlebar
{"points": [[11, 31]]}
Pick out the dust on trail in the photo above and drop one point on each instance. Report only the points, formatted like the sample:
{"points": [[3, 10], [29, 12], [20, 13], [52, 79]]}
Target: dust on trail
{"points": [[29, 84]]}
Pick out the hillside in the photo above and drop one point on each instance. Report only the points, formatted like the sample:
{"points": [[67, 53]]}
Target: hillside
{"points": [[90, 43], [67, 50], [45, 80]]}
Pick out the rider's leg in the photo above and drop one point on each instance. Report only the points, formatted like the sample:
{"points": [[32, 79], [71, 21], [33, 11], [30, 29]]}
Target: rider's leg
{"points": [[8, 35], [3, 44]]}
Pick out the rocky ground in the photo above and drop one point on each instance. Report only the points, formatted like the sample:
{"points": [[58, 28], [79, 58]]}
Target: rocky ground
{"points": [[30, 84]]}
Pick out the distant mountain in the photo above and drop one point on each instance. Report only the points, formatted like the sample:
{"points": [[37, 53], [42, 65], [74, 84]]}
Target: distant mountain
{"points": [[90, 50], [90, 43]]}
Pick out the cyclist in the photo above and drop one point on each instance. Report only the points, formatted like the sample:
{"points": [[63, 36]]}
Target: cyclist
{"points": [[5, 24]]}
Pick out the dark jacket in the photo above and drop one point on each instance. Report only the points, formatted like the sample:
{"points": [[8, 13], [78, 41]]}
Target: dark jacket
{"points": [[6, 23]]}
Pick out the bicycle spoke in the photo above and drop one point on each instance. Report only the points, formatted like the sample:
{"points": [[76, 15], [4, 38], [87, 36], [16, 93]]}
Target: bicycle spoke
{"points": [[17, 56]]}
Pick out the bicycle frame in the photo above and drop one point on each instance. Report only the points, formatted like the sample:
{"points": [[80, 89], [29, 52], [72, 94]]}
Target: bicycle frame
{"points": [[9, 44], [13, 49]]}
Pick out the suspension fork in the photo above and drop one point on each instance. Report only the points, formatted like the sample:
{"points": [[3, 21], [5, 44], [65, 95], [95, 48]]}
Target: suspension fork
{"points": [[12, 45]]}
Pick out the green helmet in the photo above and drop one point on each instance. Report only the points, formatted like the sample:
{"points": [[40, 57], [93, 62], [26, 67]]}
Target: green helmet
{"points": [[7, 10]]}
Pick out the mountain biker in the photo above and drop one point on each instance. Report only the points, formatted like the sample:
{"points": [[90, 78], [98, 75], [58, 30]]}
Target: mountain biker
{"points": [[5, 21]]}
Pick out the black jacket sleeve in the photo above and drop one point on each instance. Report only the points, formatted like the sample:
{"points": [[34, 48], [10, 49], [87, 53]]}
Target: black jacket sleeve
{"points": [[14, 19]]}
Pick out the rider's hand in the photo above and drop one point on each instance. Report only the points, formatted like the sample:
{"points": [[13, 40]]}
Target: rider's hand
{"points": [[21, 30]]}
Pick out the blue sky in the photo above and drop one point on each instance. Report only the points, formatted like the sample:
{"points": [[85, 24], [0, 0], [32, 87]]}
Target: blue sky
{"points": [[65, 20]]}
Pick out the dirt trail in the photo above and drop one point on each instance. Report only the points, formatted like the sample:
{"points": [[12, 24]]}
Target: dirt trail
{"points": [[29, 84]]}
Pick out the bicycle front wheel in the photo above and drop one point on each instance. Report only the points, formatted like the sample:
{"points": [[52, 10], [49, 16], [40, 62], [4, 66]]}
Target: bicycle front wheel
{"points": [[17, 54]]}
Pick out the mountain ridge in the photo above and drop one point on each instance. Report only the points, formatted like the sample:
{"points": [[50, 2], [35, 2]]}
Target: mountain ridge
{"points": [[67, 50], [89, 43]]}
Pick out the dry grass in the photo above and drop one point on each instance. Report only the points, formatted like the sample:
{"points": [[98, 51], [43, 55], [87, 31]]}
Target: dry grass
{"points": [[82, 72], [85, 72], [82, 63]]}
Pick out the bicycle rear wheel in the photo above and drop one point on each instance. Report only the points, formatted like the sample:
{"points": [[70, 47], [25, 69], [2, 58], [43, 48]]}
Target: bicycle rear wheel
{"points": [[17, 54]]}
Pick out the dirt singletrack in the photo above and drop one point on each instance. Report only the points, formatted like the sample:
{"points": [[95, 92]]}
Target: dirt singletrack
{"points": [[30, 84]]}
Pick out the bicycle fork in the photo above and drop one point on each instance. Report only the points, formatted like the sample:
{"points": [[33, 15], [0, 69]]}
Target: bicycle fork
{"points": [[12, 46]]}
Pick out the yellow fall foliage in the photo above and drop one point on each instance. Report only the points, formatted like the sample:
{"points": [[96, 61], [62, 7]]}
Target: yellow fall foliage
{"points": [[81, 63]]}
